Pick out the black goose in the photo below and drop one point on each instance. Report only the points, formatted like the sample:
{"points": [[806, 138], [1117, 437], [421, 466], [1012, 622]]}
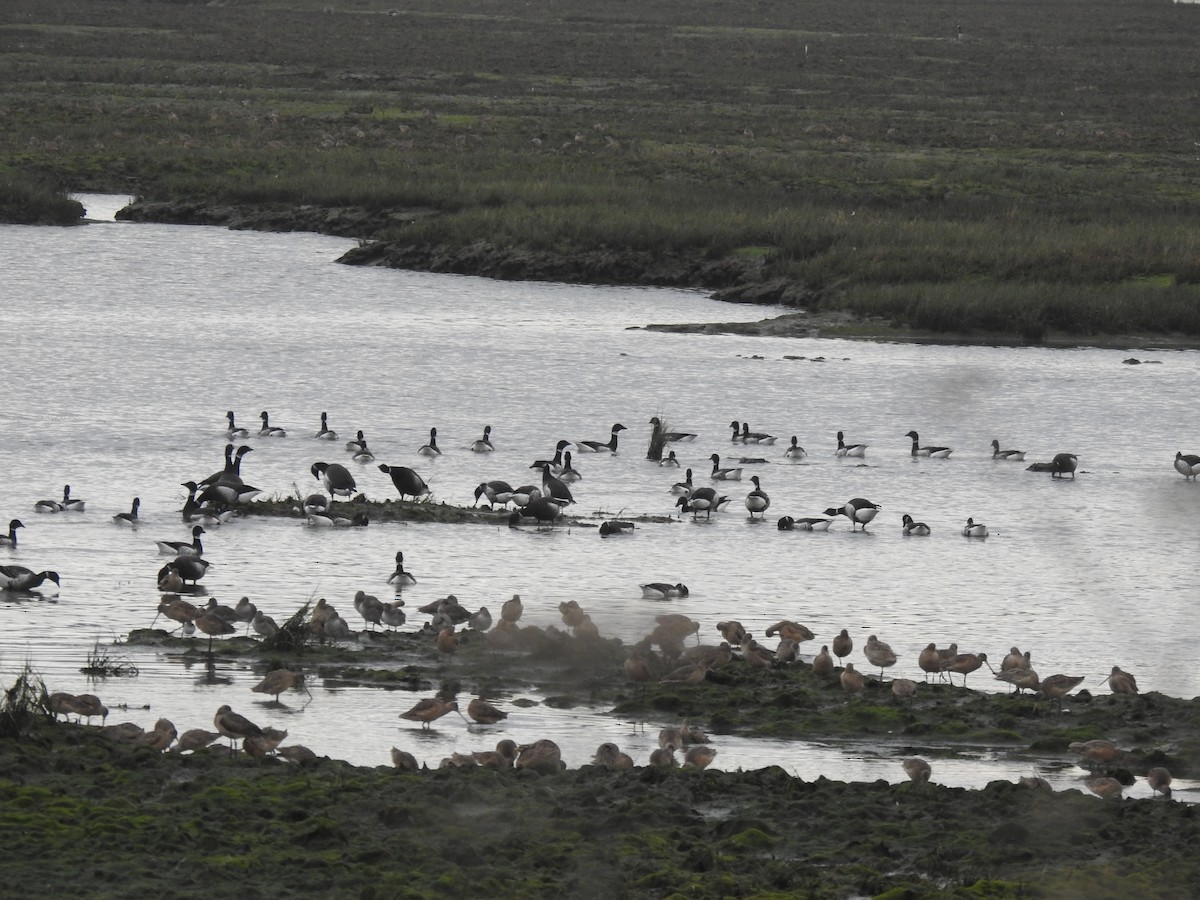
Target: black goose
{"points": [[430, 449], [495, 492], [183, 548], [10, 539], [19, 578], [484, 444], [554, 488], [335, 477], [325, 433], [609, 446], [858, 511], [233, 432], [406, 480], [757, 500], [269, 430], [672, 437], [131, 517]]}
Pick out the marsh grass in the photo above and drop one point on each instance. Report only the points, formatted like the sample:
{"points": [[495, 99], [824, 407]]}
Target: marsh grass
{"points": [[23, 706], [293, 636], [103, 664]]}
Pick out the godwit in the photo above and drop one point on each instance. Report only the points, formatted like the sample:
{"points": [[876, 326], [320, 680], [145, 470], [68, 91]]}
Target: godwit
{"points": [[699, 757], [879, 654], [904, 689], [917, 769], [512, 609], [1121, 682], [964, 664], [543, 757], [484, 713], [843, 644], [1058, 686], [733, 631], [278, 681], [610, 756], [502, 757], [234, 726], [426, 711], [1098, 751], [852, 681], [1159, 780], [822, 664], [404, 761], [1105, 787]]}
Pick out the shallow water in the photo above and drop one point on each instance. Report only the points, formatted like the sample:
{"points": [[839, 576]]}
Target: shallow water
{"points": [[129, 342]]}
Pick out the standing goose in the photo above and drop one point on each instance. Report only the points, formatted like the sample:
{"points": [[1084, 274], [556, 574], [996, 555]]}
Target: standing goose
{"points": [[858, 510], [484, 444], [934, 452], [407, 481], [335, 477], [757, 500], [701, 500], [325, 433], [540, 509], [1187, 465], [10, 539], [843, 449], [430, 449], [183, 548], [1014, 455], [975, 529], [19, 578], [672, 437], [495, 492], [1064, 464], [269, 430], [734, 474], [188, 568], [553, 488], [131, 517], [795, 451], [911, 527], [609, 446], [401, 577], [233, 432]]}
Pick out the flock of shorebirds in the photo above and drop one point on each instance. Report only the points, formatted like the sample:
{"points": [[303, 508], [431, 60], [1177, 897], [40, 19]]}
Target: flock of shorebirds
{"points": [[215, 499]]}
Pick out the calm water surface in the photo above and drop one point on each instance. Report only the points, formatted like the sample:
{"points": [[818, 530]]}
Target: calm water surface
{"points": [[127, 344]]}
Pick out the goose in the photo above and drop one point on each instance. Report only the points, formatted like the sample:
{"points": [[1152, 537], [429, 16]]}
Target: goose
{"points": [[757, 500], [540, 509], [131, 517], [202, 514], [755, 437], [188, 568], [661, 590], [569, 474], [326, 520], [671, 437], [858, 510], [363, 454], [19, 578], [231, 494], [974, 529], [325, 433], [401, 577], [335, 477], [702, 500], [315, 503], [1014, 455], [615, 526], [269, 430], [1187, 465], [720, 474], [523, 494], [934, 452], [555, 489], [357, 444], [807, 523], [226, 472], [183, 548], [70, 503], [50, 506], [911, 527], [843, 449], [430, 449], [10, 539], [795, 451], [609, 446], [685, 486], [233, 432], [1064, 464], [555, 462], [670, 462], [484, 444], [495, 492]]}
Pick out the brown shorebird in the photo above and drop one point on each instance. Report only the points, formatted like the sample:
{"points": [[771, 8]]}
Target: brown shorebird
{"points": [[1021, 679], [89, 705], [296, 753], [822, 664], [903, 689], [447, 640], [663, 757], [610, 756], [62, 704], [1159, 779], [964, 664], [917, 769], [699, 757], [542, 756], [278, 681], [1058, 686], [691, 673], [1121, 682], [484, 713], [1015, 659], [429, 709], [161, 737], [1104, 786], [879, 654], [572, 614], [708, 655], [787, 651], [671, 736], [234, 726], [404, 761], [842, 645], [194, 739], [212, 625], [512, 609], [792, 631], [1098, 751], [852, 681], [502, 757], [733, 631], [930, 661]]}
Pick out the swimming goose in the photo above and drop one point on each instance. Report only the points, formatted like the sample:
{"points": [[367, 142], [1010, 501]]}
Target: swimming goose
{"points": [[660, 590], [672, 437], [1014, 455], [401, 577], [10, 539], [325, 433], [357, 444], [553, 488], [670, 462], [363, 454], [615, 526], [484, 444], [911, 527], [724, 474], [233, 432], [755, 437], [974, 529], [795, 451], [269, 430], [1187, 465], [406, 480], [131, 517], [569, 474], [51, 506], [495, 491], [555, 462], [19, 578], [685, 486], [333, 520], [69, 503], [844, 449], [934, 452], [430, 449], [858, 510], [609, 446], [335, 477], [757, 500], [183, 548], [701, 500]]}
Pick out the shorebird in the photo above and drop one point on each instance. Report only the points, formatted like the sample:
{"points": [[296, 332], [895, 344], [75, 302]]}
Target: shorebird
{"points": [[663, 757], [1159, 780], [964, 664], [543, 757], [917, 769], [843, 644], [1121, 682], [1058, 686], [792, 631], [930, 661], [610, 756], [512, 609], [429, 709], [852, 681], [733, 631], [484, 713], [212, 625], [904, 688], [234, 726], [1015, 659], [822, 664], [1105, 787], [879, 654], [278, 681], [404, 761], [195, 739], [699, 757], [1096, 752], [502, 757], [1021, 679]]}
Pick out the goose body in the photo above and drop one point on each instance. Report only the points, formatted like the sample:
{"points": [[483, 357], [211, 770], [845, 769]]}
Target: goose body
{"points": [[495, 492], [188, 568], [843, 449], [609, 446], [58, 506], [401, 577], [358, 443], [1064, 464], [539, 509], [672, 437], [131, 517], [728, 474], [757, 500], [1187, 465], [325, 433], [683, 487], [858, 510], [554, 489], [805, 523], [269, 430], [974, 529], [754, 437], [701, 500], [335, 477], [183, 548], [363, 454], [934, 452], [10, 539], [911, 527], [19, 578], [661, 590], [233, 431], [430, 449], [795, 451], [484, 444], [1014, 455]]}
